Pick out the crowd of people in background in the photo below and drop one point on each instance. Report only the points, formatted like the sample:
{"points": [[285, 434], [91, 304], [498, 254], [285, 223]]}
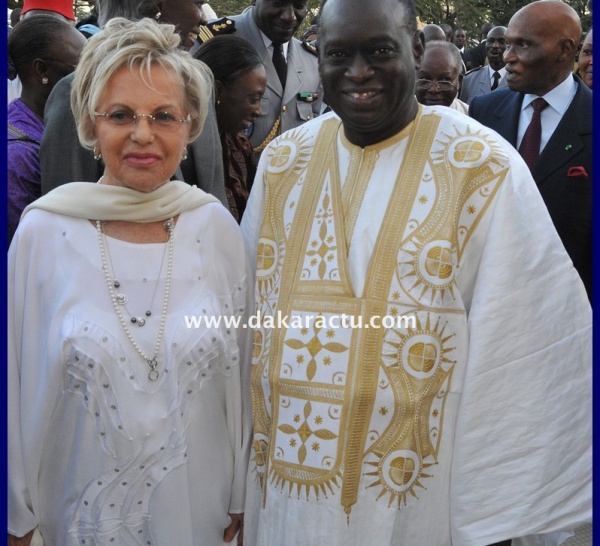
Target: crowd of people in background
{"points": [[168, 162]]}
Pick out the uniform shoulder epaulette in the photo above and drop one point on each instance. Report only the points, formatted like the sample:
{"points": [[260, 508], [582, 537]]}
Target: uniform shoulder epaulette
{"points": [[474, 70], [214, 28], [311, 47]]}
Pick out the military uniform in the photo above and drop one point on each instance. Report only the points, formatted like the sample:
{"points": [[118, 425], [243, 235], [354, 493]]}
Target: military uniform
{"points": [[478, 82], [282, 109]]}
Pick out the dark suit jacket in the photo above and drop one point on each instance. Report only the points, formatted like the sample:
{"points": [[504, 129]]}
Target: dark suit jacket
{"points": [[63, 159], [477, 55], [466, 57], [568, 197]]}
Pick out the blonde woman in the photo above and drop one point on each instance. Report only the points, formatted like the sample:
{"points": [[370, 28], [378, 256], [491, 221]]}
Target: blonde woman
{"points": [[126, 425]]}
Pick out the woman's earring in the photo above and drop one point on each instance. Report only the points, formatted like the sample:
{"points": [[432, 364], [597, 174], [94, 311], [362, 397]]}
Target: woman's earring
{"points": [[44, 81], [97, 153], [184, 156]]}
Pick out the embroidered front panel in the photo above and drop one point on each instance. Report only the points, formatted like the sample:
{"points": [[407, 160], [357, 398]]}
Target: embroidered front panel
{"points": [[337, 409]]}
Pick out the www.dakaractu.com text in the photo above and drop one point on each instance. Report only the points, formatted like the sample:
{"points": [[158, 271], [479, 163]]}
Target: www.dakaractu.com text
{"points": [[301, 321]]}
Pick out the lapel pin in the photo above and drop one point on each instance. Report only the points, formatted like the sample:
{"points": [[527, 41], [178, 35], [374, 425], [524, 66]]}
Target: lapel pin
{"points": [[568, 147]]}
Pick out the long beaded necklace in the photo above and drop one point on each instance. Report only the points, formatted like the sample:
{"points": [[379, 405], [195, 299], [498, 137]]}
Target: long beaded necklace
{"points": [[122, 299], [169, 226]]}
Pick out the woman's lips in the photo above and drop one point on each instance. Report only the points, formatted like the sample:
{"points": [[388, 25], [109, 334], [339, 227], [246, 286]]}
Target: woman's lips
{"points": [[142, 160]]}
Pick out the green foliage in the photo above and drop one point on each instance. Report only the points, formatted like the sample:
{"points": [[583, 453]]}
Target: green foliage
{"points": [[469, 14]]}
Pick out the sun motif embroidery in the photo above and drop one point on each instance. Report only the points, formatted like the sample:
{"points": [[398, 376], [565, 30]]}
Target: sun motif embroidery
{"points": [[269, 259], [432, 266], [290, 154], [468, 150], [417, 362]]}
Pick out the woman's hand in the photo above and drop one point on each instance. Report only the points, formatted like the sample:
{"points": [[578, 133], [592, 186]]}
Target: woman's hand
{"points": [[237, 523]]}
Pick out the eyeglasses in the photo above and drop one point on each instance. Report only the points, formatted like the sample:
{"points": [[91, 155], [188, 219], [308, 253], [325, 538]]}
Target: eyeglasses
{"points": [[443, 85], [163, 121]]}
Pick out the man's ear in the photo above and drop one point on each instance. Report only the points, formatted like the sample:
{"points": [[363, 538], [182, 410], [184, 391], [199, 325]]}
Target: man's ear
{"points": [[418, 47], [568, 48]]}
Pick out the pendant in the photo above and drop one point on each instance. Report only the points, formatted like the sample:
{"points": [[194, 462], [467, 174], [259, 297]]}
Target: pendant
{"points": [[121, 299], [153, 374]]}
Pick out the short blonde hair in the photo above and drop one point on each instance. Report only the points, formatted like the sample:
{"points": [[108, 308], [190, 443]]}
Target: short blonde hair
{"points": [[142, 44]]}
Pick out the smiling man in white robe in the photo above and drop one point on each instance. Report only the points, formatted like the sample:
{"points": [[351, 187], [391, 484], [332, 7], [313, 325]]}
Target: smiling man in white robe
{"points": [[468, 425]]}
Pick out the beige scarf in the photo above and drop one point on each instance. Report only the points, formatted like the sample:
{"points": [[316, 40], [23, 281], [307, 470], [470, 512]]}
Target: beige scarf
{"points": [[105, 202]]}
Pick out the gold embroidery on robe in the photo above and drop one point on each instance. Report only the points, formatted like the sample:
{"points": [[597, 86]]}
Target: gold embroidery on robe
{"points": [[334, 406]]}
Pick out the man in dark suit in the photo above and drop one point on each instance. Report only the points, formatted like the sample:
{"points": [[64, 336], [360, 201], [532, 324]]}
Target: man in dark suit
{"points": [[460, 41], [542, 39], [293, 94], [477, 53]]}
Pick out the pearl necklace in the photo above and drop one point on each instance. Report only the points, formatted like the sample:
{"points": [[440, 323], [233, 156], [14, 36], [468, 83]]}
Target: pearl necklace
{"points": [[169, 226], [122, 299]]}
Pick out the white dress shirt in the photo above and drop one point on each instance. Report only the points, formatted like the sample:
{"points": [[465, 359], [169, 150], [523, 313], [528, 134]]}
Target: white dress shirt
{"points": [[559, 100], [502, 73], [269, 43]]}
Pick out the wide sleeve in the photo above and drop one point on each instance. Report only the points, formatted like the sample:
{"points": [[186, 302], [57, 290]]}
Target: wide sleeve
{"points": [[21, 491], [240, 402], [232, 269], [523, 451]]}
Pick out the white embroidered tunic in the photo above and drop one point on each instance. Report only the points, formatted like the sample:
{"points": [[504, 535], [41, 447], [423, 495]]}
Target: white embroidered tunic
{"points": [[98, 454], [444, 430]]}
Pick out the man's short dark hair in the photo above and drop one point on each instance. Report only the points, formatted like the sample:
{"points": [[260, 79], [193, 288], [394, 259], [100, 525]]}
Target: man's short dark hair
{"points": [[410, 14]]}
